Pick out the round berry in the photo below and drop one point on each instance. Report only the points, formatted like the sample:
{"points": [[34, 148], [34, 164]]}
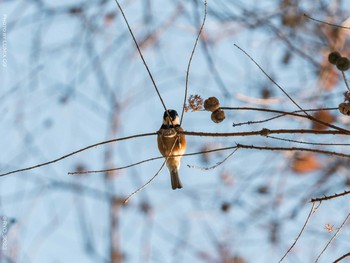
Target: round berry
{"points": [[333, 57], [211, 104], [343, 64], [218, 116]]}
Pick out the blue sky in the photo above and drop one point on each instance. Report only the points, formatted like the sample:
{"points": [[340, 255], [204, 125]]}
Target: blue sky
{"points": [[74, 78]]}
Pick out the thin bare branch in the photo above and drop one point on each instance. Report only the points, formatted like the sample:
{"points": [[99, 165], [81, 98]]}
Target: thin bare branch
{"points": [[308, 143], [78, 151], [266, 148], [345, 80], [284, 113], [155, 158], [326, 23], [161, 167], [333, 237], [342, 257], [271, 79], [147, 183], [190, 60], [214, 166], [325, 198], [301, 231], [140, 53], [263, 132]]}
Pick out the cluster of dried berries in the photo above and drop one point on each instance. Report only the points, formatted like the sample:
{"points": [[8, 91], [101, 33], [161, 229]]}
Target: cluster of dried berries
{"points": [[195, 103], [344, 107], [342, 63], [212, 104]]}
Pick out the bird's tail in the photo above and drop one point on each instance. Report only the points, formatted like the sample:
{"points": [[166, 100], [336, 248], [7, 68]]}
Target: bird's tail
{"points": [[175, 179]]}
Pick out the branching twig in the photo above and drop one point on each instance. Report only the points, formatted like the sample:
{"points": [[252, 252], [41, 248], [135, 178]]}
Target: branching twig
{"points": [[190, 60], [214, 166], [271, 79], [302, 230], [294, 113], [78, 151], [155, 158], [161, 167], [263, 132], [335, 234], [147, 183], [325, 198], [289, 97]]}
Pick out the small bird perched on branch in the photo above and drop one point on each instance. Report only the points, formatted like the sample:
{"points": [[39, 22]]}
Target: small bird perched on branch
{"points": [[170, 143]]}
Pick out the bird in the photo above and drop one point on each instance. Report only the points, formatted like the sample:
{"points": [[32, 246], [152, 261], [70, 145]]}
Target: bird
{"points": [[171, 143]]}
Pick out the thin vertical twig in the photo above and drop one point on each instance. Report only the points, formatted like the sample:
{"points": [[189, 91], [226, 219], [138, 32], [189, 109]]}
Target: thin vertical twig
{"points": [[302, 230], [190, 60], [345, 80]]}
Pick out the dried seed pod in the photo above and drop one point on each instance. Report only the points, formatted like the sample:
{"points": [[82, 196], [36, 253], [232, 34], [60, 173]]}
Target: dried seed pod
{"points": [[211, 104], [343, 64], [333, 57], [218, 116], [344, 108]]}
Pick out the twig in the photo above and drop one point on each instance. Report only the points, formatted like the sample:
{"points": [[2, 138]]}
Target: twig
{"points": [[257, 122], [214, 166], [309, 143], [333, 237], [190, 60], [342, 257], [217, 150], [161, 167], [271, 79], [140, 53], [345, 80], [206, 134], [263, 133], [323, 22], [325, 198], [294, 113], [78, 151], [210, 61], [274, 82], [302, 230], [152, 159], [266, 148], [147, 183]]}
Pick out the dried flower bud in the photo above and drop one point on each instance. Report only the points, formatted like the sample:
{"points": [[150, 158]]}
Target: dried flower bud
{"points": [[211, 104], [218, 116], [343, 64], [344, 108], [333, 57]]}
